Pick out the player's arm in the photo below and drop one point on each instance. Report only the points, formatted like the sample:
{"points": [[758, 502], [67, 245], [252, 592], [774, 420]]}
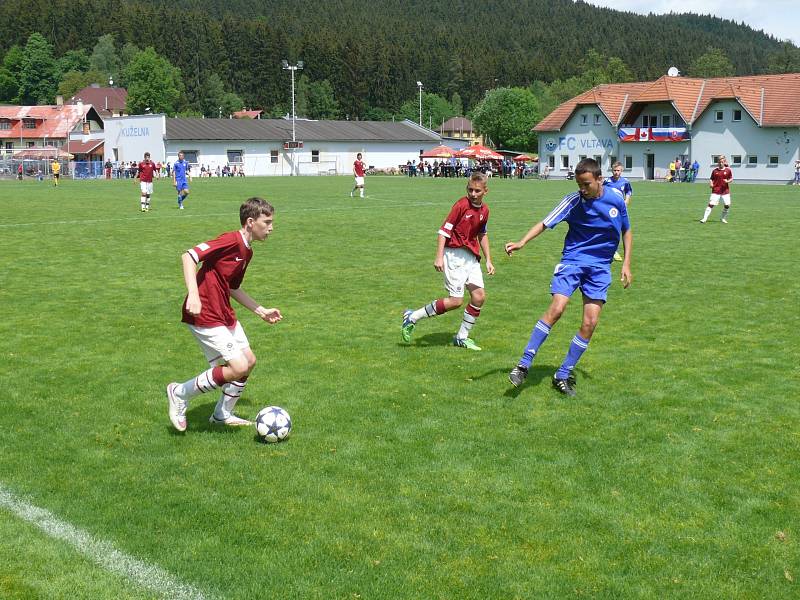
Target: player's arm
{"points": [[483, 240], [627, 243], [534, 231], [193, 304], [270, 315], [438, 262]]}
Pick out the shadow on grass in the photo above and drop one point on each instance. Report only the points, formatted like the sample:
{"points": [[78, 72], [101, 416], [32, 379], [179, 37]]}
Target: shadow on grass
{"points": [[441, 338], [197, 420], [536, 374]]}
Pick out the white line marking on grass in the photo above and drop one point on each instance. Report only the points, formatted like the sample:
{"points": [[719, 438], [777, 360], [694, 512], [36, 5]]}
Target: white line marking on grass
{"points": [[150, 577]]}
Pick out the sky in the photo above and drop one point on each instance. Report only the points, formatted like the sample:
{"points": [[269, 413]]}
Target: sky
{"points": [[779, 18]]}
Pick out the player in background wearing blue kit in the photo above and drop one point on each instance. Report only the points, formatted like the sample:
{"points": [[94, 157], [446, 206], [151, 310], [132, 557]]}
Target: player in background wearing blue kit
{"points": [[623, 185], [597, 219], [181, 176]]}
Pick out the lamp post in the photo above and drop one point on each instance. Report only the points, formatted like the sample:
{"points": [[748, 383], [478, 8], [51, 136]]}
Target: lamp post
{"points": [[292, 68], [419, 85]]}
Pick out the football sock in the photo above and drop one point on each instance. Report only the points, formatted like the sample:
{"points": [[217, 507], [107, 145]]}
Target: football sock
{"points": [[539, 334], [576, 350], [436, 307], [204, 382], [142, 201], [725, 212], [707, 213], [362, 192], [471, 314], [231, 392]]}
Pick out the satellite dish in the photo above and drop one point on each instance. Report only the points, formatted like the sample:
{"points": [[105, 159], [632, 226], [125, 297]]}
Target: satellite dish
{"points": [[673, 72]]}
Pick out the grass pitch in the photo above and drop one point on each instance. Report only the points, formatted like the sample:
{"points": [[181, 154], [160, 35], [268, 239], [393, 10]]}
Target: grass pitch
{"points": [[414, 470]]}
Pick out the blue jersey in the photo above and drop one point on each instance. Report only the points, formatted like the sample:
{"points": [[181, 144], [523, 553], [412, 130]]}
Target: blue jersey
{"points": [[180, 169], [595, 226], [622, 184]]}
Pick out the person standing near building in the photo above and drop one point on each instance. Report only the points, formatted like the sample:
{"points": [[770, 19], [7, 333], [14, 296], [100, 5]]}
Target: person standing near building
{"points": [[359, 168], [719, 182], [181, 176], [623, 185], [695, 170], [597, 219], [145, 173], [797, 172], [56, 168], [461, 239]]}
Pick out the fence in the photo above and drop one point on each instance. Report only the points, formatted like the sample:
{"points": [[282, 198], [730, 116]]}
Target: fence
{"points": [[41, 169]]}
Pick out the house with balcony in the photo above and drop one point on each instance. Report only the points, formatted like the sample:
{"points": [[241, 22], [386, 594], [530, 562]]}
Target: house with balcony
{"points": [[754, 121]]}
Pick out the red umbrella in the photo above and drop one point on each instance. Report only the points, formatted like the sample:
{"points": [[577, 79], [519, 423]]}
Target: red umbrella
{"points": [[439, 152], [479, 152], [524, 158]]}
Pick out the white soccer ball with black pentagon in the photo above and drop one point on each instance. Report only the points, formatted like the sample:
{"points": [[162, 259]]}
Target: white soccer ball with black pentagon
{"points": [[273, 424]]}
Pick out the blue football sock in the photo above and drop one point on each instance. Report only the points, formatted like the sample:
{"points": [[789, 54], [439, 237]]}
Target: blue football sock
{"points": [[539, 334], [576, 350]]}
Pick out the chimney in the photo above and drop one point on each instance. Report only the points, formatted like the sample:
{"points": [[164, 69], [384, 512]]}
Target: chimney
{"points": [[59, 100]]}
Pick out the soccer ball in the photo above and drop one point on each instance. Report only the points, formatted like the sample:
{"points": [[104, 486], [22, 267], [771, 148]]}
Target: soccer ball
{"points": [[273, 424]]}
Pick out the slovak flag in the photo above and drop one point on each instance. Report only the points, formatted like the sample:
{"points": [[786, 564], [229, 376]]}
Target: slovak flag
{"points": [[644, 134]]}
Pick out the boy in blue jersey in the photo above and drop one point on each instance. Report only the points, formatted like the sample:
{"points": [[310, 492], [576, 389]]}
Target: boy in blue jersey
{"points": [[623, 185], [181, 175], [597, 219]]}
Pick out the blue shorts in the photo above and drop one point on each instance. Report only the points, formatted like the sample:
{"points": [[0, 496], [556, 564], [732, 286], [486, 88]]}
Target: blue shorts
{"points": [[182, 185], [593, 280]]}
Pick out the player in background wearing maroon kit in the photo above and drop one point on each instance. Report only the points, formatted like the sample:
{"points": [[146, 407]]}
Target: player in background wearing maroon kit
{"points": [[358, 173], [461, 239], [208, 313], [721, 178], [145, 175]]}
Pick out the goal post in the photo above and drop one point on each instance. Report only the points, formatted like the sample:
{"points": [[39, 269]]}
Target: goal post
{"points": [[322, 167]]}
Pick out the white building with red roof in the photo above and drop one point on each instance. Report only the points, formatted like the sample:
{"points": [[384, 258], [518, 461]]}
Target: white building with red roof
{"points": [[754, 121], [27, 127]]}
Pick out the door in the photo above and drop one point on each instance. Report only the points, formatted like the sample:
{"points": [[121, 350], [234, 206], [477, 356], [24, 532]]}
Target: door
{"points": [[650, 166]]}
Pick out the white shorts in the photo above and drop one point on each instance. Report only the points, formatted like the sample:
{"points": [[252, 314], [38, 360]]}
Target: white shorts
{"points": [[220, 344], [360, 181], [146, 187], [461, 268], [715, 198]]}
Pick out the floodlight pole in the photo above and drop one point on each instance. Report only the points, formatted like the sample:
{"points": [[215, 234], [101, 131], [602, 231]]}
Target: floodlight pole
{"points": [[292, 68], [419, 85]]}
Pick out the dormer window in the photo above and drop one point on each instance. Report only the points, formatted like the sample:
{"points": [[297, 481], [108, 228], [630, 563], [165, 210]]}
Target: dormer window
{"points": [[29, 123], [5, 124]]}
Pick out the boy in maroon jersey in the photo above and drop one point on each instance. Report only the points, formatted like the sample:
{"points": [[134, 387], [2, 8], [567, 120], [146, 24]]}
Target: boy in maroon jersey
{"points": [[145, 175], [458, 254], [358, 173], [208, 313], [721, 178]]}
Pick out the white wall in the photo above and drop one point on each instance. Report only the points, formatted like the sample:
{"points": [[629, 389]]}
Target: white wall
{"points": [[579, 138], [133, 136]]}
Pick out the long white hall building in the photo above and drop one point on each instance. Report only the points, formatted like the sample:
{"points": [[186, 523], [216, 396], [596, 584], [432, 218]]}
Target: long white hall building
{"points": [[264, 146], [754, 121]]}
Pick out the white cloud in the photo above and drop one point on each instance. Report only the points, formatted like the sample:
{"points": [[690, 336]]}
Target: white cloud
{"points": [[779, 18]]}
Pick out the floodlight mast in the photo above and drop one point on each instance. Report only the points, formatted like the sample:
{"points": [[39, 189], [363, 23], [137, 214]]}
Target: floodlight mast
{"points": [[287, 67], [419, 85]]}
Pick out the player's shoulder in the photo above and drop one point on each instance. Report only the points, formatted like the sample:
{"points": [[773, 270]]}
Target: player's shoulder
{"points": [[613, 193]]}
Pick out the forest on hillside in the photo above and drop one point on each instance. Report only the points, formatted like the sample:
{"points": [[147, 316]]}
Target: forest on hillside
{"points": [[372, 54]]}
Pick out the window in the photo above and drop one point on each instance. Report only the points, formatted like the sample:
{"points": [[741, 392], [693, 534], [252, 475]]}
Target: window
{"points": [[565, 161], [645, 120], [5, 124], [773, 161], [714, 159], [666, 121], [273, 156], [190, 156], [235, 157], [628, 162], [737, 115], [9, 145], [752, 160], [551, 160], [597, 119], [581, 157], [736, 160], [718, 116], [30, 144], [584, 120], [315, 156], [29, 123], [612, 160], [598, 159]]}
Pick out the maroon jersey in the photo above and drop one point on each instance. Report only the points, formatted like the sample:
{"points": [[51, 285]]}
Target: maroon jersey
{"points": [[146, 170], [358, 168], [463, 225], [225, 261], [718, 183]]}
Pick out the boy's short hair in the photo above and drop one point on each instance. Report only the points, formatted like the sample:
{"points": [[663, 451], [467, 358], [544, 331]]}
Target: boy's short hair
{"points": [[254, 208], [588, 165], [479, 176], [616, 164]]}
